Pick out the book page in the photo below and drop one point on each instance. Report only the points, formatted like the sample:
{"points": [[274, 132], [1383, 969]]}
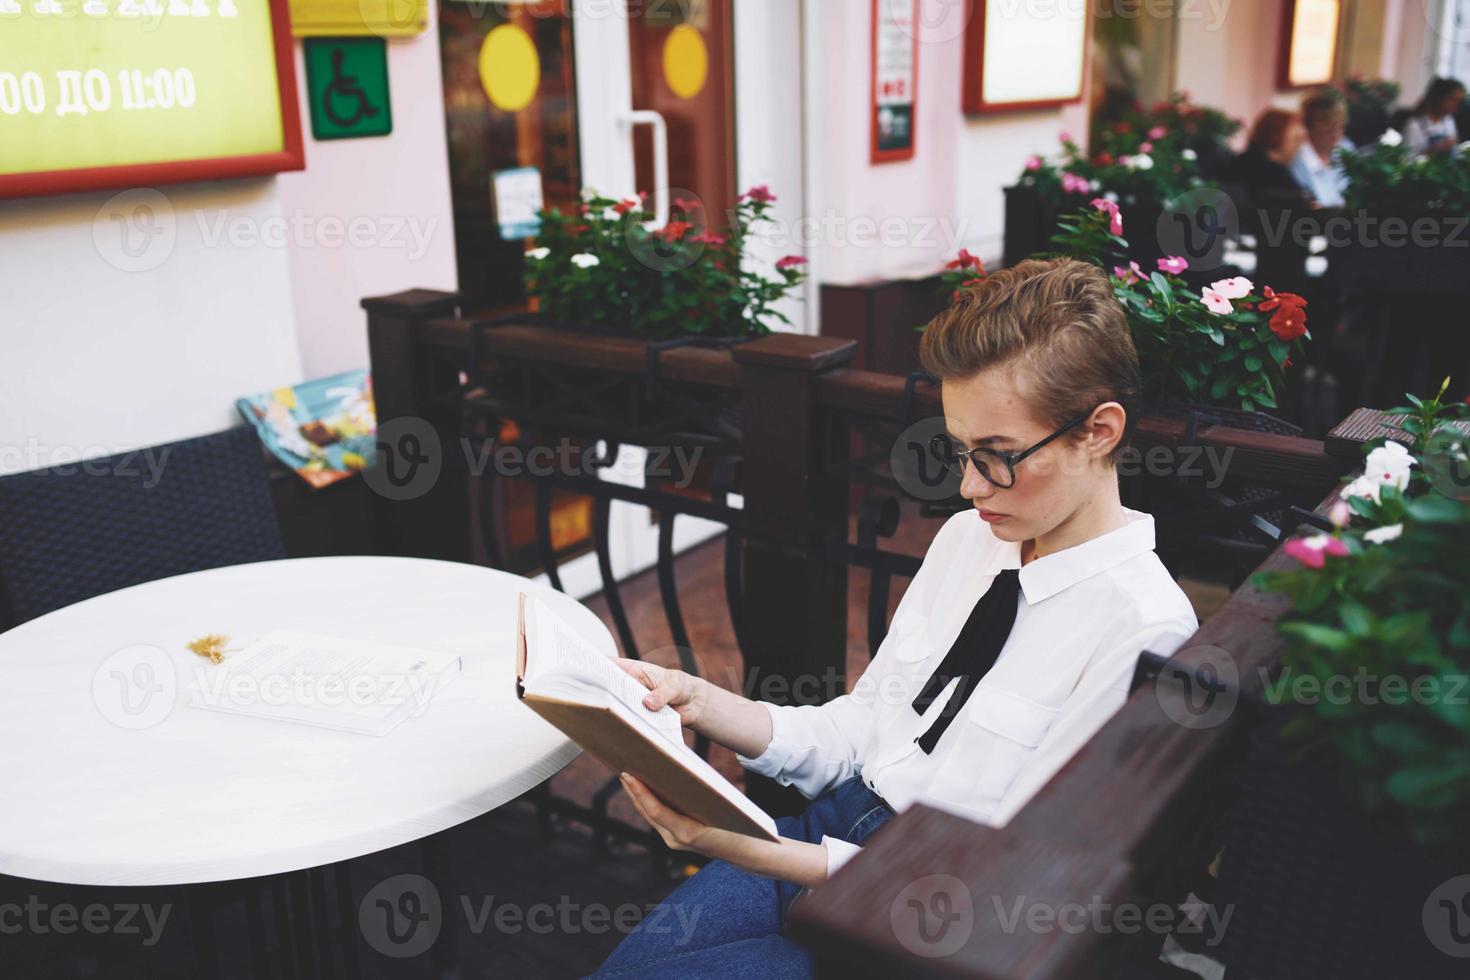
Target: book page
{"points": [[558, 649]]}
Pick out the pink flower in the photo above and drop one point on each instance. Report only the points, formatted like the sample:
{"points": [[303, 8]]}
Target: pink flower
{"points": [[686, 205], [790, 261], [1130, 273], [1033, 163], [1237, 287], [1072, 184], [1172, 264], [1312, 552], [1145, 147], [760, 194], [1064, 136], [1157, 133], [1214, 302], [1110, 208]]}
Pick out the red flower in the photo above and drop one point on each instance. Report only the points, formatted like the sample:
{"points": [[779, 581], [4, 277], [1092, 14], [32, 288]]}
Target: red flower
{"points": [[1104, 159], [708, 238], [1275, 299], [1289, 322], [760, 194], [686, 205], [966, 261], [578, 229], [790, 261], [673, 231], [624, 206]]}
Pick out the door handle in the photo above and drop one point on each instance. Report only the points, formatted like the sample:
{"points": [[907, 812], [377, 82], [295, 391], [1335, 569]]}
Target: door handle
{"points": [[640, 117]]}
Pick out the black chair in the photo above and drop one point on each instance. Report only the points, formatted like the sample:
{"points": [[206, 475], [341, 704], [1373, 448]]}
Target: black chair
{"points": [[74, 531]]}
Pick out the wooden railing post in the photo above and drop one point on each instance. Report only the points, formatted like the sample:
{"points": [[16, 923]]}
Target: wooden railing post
{"points": [[419, 480], [795, 596]]}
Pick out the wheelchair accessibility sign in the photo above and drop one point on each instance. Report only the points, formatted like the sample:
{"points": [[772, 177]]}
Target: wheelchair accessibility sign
{"points": [[347, 85]]}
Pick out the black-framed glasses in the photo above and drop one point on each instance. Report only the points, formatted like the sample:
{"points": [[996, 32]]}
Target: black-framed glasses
{"points": [[997, 466]]}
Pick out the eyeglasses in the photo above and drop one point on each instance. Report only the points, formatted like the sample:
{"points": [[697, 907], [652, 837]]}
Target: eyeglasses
{"points": [[997, 466]]}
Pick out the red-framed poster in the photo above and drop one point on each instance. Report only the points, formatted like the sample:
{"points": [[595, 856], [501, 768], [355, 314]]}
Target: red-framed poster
{"points": [[1309, 37], [101, 94], [894, 100], [1024, 56]]}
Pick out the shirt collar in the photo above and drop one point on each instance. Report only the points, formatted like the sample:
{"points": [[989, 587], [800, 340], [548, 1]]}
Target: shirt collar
{"points": [[1046, 576]]}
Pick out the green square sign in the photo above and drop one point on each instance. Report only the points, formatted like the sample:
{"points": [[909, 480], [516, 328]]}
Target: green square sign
{"points": [[347, 87]]}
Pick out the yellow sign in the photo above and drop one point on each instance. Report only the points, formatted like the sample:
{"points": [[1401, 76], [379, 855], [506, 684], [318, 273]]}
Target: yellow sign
{"points": [[115, 83], [354, 18], [510, 68]]}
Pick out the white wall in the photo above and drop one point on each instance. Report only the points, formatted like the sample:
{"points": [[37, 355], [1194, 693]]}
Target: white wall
{"points": [[102, 350], [393, 189]]}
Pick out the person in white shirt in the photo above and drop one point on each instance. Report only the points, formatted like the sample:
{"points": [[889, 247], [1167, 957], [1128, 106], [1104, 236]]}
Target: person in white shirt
{"points": [[1014, 643], [1318, 165], [1432, 127]]}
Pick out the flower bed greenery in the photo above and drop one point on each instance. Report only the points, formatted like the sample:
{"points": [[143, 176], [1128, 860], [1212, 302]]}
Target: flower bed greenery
{"points": [[1381, 614], [604, 266], [1222, 345], [1386, 179]]}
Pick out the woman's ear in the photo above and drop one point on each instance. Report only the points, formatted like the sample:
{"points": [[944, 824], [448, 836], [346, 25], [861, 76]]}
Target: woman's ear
{"points": [[1105, 428]]}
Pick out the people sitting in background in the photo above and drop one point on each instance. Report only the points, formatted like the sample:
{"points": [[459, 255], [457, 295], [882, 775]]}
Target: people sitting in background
{"points": [[1264, 169], [1431, 129], [1318, 166]]}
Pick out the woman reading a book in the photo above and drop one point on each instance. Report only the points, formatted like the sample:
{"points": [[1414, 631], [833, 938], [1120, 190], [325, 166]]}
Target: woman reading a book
{"points": [[1013, 644]]}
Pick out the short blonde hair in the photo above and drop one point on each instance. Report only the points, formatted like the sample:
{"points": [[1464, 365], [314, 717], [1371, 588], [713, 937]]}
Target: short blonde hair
{"points": [[1057, 321]]}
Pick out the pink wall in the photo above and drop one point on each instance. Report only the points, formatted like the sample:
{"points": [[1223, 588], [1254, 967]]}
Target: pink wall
{"points": [[389, 196]]}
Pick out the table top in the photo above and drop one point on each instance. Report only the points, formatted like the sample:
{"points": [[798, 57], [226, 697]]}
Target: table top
{"points": [[109, 776]]}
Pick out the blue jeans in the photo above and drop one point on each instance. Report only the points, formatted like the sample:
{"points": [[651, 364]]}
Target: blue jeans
{"points": [[726, 923]]}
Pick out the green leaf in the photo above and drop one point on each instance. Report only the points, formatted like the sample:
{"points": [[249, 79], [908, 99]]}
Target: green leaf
{"points": [[1252, 362]]}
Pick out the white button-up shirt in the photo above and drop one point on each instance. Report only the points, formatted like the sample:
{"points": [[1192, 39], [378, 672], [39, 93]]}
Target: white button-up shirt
{"points": [[1087, 613]]}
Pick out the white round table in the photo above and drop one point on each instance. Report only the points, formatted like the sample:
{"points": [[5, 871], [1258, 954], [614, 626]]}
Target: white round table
{"points": [[109, 776]]}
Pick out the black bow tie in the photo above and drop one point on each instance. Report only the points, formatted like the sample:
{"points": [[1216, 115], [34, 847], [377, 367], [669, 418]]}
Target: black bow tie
{"points": [[973, 654]]}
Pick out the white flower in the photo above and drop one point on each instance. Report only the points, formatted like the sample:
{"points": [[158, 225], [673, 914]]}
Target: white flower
{"points": [[1111, 196], [1341, 514], [584, 260], [1391, 137], [1237, 287], [537, 254], [1141, 161], [1096, 185], [1362, 487], [610, 214], [588, 193], [1189, 154], [1389, 464], [1381, 535]]}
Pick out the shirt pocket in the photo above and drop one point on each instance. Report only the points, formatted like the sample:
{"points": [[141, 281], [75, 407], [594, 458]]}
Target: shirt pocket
{"points": [[994, 737]]}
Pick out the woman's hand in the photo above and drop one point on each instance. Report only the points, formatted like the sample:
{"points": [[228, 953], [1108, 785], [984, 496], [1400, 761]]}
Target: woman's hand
{"points": [[789, 860], [683, 692]]}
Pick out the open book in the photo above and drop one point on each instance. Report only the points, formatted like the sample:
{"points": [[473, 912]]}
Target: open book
{"points": [[600, 707]]}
